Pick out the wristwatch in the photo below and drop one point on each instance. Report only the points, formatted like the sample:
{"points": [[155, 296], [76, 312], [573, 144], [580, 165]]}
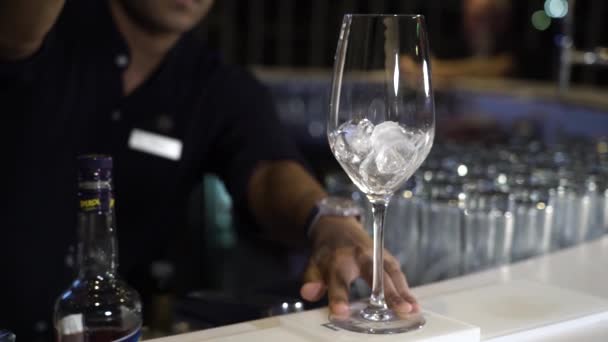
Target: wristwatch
{"points": [[332, 206]]}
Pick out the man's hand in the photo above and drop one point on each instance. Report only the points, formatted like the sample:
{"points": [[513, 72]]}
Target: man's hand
{"points": [[342, 251], [281, 194]]}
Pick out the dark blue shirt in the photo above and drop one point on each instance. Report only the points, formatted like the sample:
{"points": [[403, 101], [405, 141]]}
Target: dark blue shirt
{"points": [[68, 99]]}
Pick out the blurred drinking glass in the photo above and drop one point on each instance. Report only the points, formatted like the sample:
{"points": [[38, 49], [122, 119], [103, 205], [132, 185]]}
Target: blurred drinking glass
{"points": [[488, 230], [6, 336]]}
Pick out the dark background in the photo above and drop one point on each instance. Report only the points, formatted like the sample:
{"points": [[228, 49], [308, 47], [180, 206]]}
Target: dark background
{"points": [[303, 33]]}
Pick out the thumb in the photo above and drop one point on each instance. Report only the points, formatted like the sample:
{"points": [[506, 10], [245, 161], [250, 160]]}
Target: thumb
{"points": [[314, 287]]}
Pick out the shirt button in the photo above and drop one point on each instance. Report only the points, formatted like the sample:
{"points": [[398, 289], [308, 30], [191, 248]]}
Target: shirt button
{"points": [[164, 123], [69, 261], [121, 60], [116, 115]]}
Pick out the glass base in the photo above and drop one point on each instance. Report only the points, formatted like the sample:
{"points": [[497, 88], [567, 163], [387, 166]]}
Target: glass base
{"points": [[376, 321]]}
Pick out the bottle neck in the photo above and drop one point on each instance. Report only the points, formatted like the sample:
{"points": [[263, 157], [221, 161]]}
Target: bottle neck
{"points": [[97, 247]]}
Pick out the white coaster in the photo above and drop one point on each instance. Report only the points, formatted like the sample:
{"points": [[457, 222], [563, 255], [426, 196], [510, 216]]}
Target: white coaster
{"points": [[314, 326], [516, 309]]}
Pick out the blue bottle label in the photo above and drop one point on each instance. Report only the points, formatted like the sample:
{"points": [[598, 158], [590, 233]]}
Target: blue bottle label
{"points": [[95, 200]]}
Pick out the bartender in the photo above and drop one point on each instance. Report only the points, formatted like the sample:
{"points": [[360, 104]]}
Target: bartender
{"points": [[130, 79]]}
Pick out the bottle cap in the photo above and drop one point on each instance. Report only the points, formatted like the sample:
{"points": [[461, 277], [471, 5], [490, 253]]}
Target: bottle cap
{"points": [[94, 167], [95, 161]]}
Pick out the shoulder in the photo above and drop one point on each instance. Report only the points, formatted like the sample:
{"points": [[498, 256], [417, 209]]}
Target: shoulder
{"points": [[241, 83], [86, 24], [221, 78], [80, 14], [238, 88]]}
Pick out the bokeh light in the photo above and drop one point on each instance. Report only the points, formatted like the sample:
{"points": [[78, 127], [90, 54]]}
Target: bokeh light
{"points": [[540, 20], [556, 8]]}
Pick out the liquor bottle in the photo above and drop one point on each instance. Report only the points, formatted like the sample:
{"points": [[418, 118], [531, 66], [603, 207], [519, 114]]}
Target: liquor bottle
{"points": [[98, 306]]}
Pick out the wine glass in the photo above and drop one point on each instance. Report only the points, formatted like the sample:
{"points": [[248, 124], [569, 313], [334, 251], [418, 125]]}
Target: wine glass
{"points": [[380, 129]]}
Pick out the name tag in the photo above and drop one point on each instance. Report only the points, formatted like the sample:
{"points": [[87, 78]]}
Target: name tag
{"points": [[156, 144]]}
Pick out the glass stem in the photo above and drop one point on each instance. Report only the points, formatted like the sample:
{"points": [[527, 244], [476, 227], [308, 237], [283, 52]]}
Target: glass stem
{"points": [[376, 299]]}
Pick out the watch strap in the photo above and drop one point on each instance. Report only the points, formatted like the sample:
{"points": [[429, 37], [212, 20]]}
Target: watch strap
{"points": [[332, 206]]}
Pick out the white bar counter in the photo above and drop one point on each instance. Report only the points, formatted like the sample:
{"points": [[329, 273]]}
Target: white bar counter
{"points": [[579, 271]]}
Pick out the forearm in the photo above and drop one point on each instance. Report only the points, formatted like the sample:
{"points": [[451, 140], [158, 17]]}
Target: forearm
{"points": [[24, 24], [281, 196]]}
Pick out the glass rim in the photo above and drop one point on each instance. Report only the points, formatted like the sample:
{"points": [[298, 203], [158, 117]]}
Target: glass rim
{"points": [[385, 15]]}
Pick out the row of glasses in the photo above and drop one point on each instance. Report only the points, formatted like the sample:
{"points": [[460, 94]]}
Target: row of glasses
{"points": [[472, 207], [551, 197]]}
